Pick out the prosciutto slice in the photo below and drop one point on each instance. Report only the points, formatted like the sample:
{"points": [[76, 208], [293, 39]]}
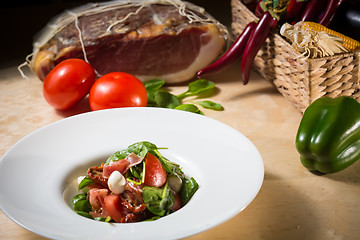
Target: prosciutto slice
{"points": [[167, 39], [121, 165]]}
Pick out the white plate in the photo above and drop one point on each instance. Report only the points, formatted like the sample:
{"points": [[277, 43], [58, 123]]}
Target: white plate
{"points": [[37, 172]]}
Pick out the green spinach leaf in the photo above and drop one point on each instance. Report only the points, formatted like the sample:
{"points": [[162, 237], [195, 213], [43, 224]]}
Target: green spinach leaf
{"points": [[166, 100], [197, 87], [210, 105], [102, 219], [152, 86], [158, 97], [188, 189], [189, 108], [84, 183], [158, 200], [170, 167], [139, 148], [81, 203], [84, 214]]}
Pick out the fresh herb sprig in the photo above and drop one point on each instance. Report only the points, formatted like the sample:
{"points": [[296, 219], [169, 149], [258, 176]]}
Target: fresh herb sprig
{"points": [[158, 96]]}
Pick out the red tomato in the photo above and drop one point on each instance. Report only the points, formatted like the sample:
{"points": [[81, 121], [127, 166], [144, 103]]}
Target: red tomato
{"points": [[177, 203], [113, 207], [155, 175], [117, 89], [68, 82]]}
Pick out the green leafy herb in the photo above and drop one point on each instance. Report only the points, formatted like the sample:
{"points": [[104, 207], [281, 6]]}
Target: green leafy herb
{"points": [[189, 187], [158, 200], [152, 86], [81, 203], [136, 174], [139, 148], [85, 182], [166, 100], [158, 97], [170, 167], [152, 219], [210, 105], [189, 108], [197, 87], [84, 214]]}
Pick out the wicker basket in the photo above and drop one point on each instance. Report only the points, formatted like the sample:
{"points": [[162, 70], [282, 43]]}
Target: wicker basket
{"points": [[298, 80]]}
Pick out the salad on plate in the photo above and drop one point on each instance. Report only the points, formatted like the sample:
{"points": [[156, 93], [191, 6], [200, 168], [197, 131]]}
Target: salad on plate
{"points": [[133, 185]]}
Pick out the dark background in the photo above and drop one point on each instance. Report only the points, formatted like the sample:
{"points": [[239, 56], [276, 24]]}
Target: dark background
{"points": [[20, 21]]}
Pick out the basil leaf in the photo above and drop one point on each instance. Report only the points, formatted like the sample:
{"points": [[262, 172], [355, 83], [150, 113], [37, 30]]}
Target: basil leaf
{"points": [[81, 203], [166, 100], [152, 87], [170, 167], [154, 84], [189, 108], [139, 148], [158, 200], [152, 219], [188, 189], [136, 174], [78, 197], [197, 87], [200, 85], [84, 214], [210, 105], [85, 182]]}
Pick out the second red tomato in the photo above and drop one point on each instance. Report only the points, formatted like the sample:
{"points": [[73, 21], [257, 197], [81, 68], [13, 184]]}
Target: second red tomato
{"points": [[116, 90]]}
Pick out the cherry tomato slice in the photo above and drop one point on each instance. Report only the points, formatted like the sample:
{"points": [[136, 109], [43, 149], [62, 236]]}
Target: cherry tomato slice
{"points": [[155, 175], [117, 89], [177, 203], [68, 82], [114, 207]]}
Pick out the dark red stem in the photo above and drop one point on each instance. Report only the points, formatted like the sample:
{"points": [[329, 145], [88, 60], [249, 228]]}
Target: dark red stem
{"points": [[231, 55], [330, 11], [259, 11], [263, 28], [251, 4], [313, 10]]}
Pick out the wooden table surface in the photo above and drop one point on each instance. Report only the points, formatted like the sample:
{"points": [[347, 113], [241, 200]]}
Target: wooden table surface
{"points": [[292, 203]]}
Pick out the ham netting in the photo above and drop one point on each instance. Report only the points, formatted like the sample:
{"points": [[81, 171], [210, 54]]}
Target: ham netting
{"points": [[192, 13]]}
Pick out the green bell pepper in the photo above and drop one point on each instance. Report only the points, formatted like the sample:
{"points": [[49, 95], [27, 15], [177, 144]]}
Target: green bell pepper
{"points": [[328, 138]]}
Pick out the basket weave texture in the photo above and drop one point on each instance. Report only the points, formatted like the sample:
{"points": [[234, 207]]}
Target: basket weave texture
{"points": [[301, 81]]}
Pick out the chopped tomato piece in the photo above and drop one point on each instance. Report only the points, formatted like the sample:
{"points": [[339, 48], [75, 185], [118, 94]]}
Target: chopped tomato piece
{"points": [[96, 197], [155, 175], [177, 203], [114, 207]]}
